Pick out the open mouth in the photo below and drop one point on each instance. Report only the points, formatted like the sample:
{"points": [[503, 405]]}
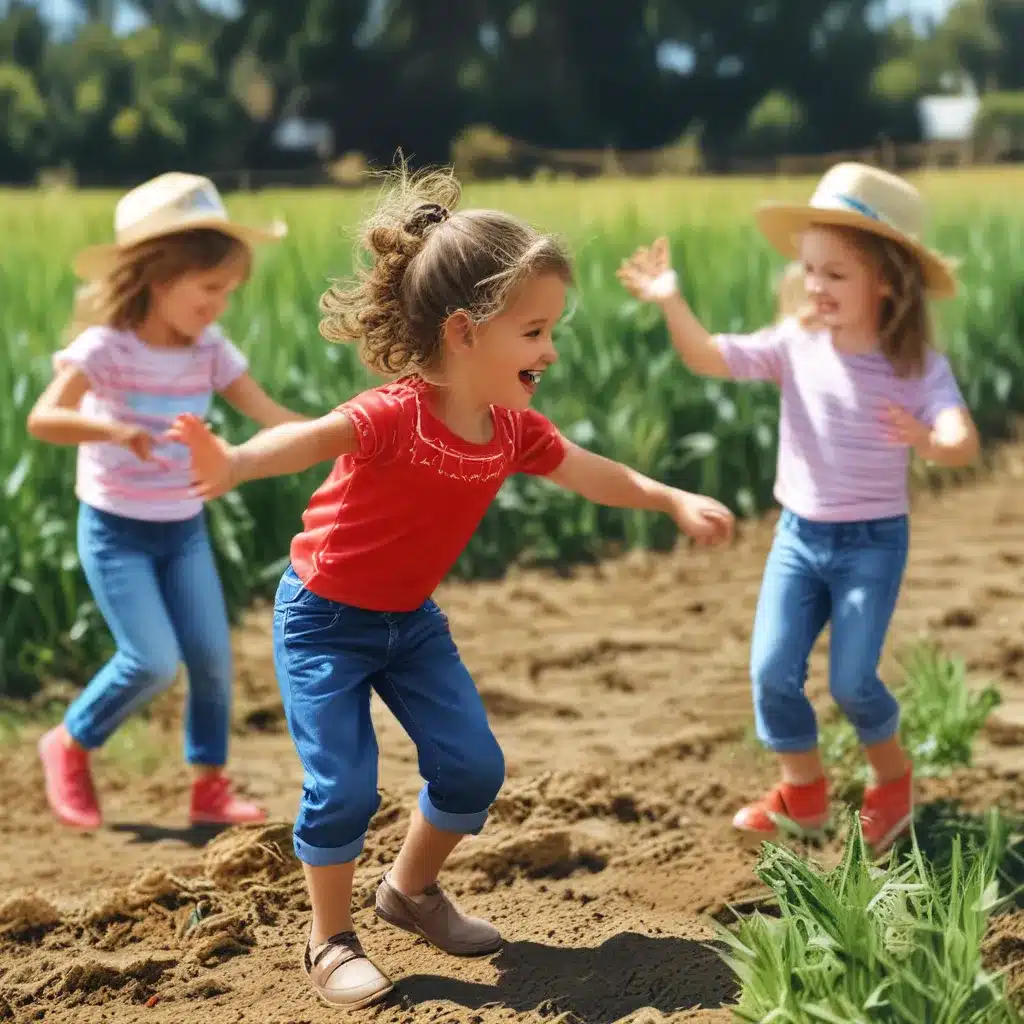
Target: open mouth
{"points": [[529, 379]]}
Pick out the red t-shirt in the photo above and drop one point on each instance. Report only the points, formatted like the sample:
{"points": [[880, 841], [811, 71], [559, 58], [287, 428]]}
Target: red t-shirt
{"points": [[391, 520]]}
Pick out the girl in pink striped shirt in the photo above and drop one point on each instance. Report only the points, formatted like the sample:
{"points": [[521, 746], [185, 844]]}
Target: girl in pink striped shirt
{"points": [[146, 349], [861, 386]]}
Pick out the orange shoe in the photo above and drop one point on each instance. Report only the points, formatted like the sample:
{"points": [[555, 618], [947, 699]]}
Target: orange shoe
{"points": [[214, 803], [793, 810], [886, 812]]}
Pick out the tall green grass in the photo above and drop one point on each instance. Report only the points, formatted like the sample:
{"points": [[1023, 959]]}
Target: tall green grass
{"points": [[863, 944], [617, 388]]}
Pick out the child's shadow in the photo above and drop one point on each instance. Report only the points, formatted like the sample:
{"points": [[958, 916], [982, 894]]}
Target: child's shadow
{"points": [[196, 836], [597, 985]]}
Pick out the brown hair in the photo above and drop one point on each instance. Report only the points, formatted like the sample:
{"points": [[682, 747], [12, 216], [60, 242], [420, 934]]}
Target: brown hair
{"points": [[905, 331], [121, 298], [419, 262], [792, 296]]}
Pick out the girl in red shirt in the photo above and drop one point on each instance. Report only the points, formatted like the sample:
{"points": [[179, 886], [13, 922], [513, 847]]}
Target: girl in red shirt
{"points": [[460, 307]]}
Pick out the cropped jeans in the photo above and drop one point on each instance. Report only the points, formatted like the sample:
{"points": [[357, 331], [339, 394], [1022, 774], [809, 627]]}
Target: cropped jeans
{"points": [[846, 573], [329, 658]]}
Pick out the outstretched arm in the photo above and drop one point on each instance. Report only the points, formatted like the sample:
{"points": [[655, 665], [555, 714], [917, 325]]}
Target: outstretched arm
{"points": [[648, 276], [245, 395], [606, 482], [284, 449]]}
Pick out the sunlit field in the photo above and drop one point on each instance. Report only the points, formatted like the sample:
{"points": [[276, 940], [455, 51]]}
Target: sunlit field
{"points": [[617, 388]]}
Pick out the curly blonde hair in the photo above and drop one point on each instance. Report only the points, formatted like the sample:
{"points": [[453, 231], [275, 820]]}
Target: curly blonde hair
{"points": [[419, 261], [121, 299], [905, 330]]}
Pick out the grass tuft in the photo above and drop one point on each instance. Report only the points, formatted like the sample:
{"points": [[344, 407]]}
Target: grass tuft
{"points": [[863, 944]]}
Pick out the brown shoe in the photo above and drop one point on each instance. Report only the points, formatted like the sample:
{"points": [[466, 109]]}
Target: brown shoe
{"points": [[438, 920], [343, 975]]}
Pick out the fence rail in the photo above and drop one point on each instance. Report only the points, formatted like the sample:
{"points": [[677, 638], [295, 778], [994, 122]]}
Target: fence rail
{"points": [[525, 161]]}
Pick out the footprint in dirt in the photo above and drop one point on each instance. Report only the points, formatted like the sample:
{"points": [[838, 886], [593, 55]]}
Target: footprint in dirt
{"points": [[600, 985]]}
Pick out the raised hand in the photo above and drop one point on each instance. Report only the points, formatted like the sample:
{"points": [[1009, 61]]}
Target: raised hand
{"points": [[648, 275]]}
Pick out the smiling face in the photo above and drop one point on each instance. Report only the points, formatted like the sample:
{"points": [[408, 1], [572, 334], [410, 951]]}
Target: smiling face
{"points": [[189, 303], [841, 281], [170, 289], [505, 356]]}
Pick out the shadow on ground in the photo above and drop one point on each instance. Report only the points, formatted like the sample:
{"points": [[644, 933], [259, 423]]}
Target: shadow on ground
{"points": [[597, 985], [938, 823], [195, 836]]}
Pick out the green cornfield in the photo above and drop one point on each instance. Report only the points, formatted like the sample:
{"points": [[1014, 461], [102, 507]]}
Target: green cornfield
{"points": [[617, 388]]}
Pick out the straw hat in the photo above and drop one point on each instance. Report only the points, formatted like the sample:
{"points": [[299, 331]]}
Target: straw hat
{"points": [[163, 206], [859, 196]]}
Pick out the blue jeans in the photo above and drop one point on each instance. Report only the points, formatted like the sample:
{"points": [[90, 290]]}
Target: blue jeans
{"points": [[849, 573], [157, 586], [329, 657]]}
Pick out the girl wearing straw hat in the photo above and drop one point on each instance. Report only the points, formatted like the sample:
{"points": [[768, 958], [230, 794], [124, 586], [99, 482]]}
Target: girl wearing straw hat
{"points": [[861, 385], [145, 349]]}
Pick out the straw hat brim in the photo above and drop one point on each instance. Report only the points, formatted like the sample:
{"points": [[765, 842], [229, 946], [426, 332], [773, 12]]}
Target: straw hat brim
{"points": [[783, 223], [99, 260]]}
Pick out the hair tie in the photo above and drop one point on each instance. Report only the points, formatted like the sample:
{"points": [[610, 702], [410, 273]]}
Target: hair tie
{"points": [[429, 213]]}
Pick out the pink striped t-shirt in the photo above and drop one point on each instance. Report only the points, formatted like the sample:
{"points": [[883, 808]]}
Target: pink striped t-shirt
{"points": [[140, 384], [835, 463]]}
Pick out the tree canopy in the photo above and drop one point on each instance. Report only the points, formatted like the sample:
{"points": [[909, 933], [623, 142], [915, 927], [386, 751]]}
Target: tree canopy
{"points": [[196, 87]]}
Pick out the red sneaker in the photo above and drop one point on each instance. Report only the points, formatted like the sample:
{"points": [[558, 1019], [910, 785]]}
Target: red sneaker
{"points": [[69, 788], [789, 809], [886, 812], [214, 803]]}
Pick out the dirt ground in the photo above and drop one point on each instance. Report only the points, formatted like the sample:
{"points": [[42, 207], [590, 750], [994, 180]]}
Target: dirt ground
{"points": [[621, 699]]}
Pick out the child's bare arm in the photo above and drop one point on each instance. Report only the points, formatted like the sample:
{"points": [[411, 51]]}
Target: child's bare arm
{"points": [[952, 441], [246, 395], [606, 482], [284, 449], [648, 275], [56, 418]]}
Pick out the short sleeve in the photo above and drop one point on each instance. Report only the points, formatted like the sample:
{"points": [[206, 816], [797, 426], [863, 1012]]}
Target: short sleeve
{"points": [[377, 416], [757, 356], [540, 448], [939, 390], [90, 352], [228, 361]]}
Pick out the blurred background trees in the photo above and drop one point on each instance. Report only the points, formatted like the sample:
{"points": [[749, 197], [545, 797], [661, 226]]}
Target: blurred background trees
{"points": [[112, 91]]}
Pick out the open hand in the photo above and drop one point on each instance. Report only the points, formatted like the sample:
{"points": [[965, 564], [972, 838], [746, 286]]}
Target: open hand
{"points": [[213, 464], [902, 428], [648, 275], [707, 521]]}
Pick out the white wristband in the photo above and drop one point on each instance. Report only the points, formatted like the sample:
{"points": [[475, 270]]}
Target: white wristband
{"points": [[664, 286]]}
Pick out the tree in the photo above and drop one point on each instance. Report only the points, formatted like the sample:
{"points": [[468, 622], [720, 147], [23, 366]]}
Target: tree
{"points": [[819, 52], [129, 107], [775, 125], [573, 73], [25, 139]]}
